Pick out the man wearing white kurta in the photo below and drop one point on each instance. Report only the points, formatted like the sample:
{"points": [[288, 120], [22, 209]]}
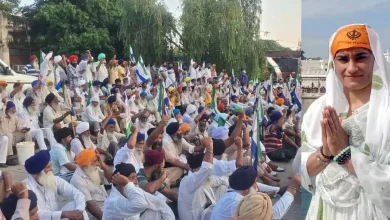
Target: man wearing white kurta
{"points": [[128, 202], [93, 114], [197, 191], [127, 153], [48, 187], [29, 115]]}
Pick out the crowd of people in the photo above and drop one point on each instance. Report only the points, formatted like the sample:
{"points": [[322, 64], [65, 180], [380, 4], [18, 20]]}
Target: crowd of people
{"points": [[122, 140]]}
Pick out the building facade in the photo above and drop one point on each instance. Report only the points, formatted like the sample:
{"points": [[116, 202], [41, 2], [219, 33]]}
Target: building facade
{"points": [[313, 83]]}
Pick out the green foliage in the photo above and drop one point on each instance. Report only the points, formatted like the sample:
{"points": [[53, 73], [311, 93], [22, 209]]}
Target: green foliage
{"points": [[145, 25], [72, 27], [9, 6]]}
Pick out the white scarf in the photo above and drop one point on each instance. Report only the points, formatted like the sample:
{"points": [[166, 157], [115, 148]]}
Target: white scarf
{"points": [[373, 171]]}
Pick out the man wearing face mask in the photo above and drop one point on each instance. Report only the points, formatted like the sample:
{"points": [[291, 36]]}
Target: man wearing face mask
{"points": [[175, 148], [190, 114], [13, 128], [73, 72]]}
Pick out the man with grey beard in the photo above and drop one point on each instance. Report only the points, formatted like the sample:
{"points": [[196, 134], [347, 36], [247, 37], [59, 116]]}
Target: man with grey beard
{"points": [[37, 93], [48, 188], [93, 115], [29, 115], [12, 127], [88, 178]]}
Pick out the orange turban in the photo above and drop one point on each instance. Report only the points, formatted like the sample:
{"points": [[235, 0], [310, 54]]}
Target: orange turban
{"points": [[221, 107], [3, 83], [353, 36], [279, 101], [85, 157], [207, 101], [184, 128]]}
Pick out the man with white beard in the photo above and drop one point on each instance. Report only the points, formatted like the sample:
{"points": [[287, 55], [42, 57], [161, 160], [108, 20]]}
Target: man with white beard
{"points": [[37, 93], [108, 139], [48, 188], [88, 178], [93, 115], [83, 141], [141, 121], [17, 96], [53, 118], [29, 115], [12, 127]]}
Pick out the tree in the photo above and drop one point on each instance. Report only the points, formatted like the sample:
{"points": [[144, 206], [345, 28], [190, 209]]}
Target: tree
{"points": [[72, 27], [10, 6]]}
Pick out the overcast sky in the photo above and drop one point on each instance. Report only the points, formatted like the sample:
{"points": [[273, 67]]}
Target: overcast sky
{"points": [[321, 18]]}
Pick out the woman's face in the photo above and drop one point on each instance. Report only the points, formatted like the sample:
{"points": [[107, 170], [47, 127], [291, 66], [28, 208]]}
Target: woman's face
{"points": [[354, 67]]}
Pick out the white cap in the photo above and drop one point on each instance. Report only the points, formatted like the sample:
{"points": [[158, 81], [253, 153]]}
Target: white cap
{"points": [[57, 59]]}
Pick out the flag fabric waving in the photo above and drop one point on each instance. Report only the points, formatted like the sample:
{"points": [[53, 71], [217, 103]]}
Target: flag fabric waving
{"points": [[142, 73], [132, 57]]}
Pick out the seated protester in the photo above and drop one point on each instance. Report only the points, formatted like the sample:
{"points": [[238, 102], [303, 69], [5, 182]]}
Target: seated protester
{"points": [[88, 178], [17, 96], [37, 93], [126, 201], [175, 147], [13, 128], [199, 190], [243, 182], [93, 115], [266, 119], [190, 114], [141, 121], [83, 141], [50, 88], [96, 91], [255, 206], [273, 138], [113, 109], [47, 187], [3, 149], [218, 120], [53, 117], [5, 184], [292, 133], [152, 178], [29, 116], [20, 205], [198, 127], [127, 153], [62, 158], [108, 139], [224, 168], [139, 148]]}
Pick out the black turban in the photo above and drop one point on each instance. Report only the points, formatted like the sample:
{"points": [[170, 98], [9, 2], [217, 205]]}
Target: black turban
{"points": [[111, 99], [243, 178], [125, 169], [28, 101], [195, 161], [218, 147], [49, 98], [172, 128], [8, 207], [62, 133]]}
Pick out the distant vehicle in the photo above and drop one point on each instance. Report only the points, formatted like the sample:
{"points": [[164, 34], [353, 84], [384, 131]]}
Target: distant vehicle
{"points": [[7, 74]]}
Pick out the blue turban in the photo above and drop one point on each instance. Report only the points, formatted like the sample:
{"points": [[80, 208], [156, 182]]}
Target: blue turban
{"points": [[111, 122], [143, 94], [200, 109], [243, 178], [35, 82], [36, 163], [176, 111], [101, 56], [120, 61], [140, 137], [96, 83], [10, 105], [84, 56], [172, 128]]}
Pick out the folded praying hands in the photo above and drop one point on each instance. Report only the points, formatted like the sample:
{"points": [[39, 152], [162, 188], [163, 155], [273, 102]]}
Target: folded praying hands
{"points": [[334, 138]]}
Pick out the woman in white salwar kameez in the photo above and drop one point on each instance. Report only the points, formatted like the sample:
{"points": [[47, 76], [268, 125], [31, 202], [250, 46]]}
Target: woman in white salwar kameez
{"points": [[358, 121]]}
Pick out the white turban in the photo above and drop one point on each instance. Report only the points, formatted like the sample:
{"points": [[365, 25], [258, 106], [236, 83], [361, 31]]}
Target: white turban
{"points": [[171, 71], [221, 133], [95, 99], [82, 127], [81, 82], [191, 109], [57, 59]]}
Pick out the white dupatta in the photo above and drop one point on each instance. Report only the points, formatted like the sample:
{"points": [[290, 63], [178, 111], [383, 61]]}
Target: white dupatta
{"points": [[372, 166]]}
